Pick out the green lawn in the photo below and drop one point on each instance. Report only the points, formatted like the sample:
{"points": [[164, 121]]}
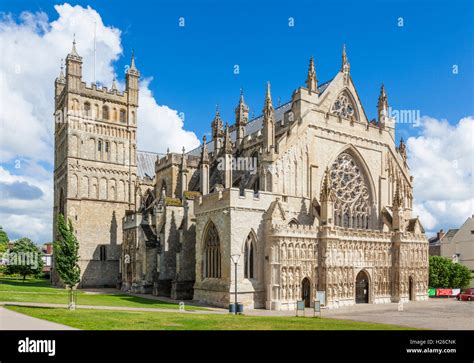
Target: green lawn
{"points": [[41, 291], [131, 320]]}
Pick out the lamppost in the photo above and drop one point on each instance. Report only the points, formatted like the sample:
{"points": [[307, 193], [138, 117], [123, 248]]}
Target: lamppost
{"points": [[235, 260]]}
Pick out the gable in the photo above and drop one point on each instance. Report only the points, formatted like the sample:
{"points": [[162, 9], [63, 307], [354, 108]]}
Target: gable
{"points": [[340, 89]]}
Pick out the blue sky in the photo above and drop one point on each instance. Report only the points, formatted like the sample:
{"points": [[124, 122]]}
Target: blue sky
{"points": [[192, 66], [190, 69]]}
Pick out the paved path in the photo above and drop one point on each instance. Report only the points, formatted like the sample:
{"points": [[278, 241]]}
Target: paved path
{"points": [[436, 314], [11, 320]]}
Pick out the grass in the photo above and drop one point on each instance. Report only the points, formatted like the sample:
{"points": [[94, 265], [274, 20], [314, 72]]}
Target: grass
{"points": [[132, 320], [41, 291]]}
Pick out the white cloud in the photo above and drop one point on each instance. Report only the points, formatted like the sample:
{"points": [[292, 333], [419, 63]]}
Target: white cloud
{"points": [[27, 217], [441, 159], [32, 48]]}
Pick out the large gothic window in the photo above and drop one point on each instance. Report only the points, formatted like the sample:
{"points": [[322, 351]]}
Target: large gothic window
{"points": [[212, 253], [344, 107], [352, 204], [249, 252]]}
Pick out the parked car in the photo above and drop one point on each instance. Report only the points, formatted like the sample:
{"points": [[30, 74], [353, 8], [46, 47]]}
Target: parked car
{"points": [[466, 295]]}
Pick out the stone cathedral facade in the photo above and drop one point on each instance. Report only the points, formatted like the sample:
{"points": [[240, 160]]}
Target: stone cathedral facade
{"points": [[310, 196]]}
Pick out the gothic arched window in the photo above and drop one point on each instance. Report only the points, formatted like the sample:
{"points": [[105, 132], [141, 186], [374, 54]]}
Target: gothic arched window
{"points": [[352, 204], [87, 109], [122, 116], [105, 112], [212, 253], [344, 106], [249, 257]]}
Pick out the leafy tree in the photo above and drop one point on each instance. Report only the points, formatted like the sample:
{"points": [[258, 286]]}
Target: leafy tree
{"points": [[460, 276], [445, 273], [24, 258], [66, 257], [3, 240]]}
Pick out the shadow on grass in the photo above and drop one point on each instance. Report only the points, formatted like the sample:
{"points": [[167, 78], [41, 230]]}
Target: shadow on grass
{"points": [[15, 281], [139, 300]]}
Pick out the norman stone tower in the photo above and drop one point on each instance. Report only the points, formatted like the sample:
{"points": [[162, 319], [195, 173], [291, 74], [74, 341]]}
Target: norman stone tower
{"points": [[95, 166]]}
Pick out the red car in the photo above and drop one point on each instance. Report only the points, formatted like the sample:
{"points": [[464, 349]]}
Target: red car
{"points": [[466, 295]]}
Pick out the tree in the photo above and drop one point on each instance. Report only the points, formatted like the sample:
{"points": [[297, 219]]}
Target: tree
{"points": [[460, 276], [24, 258], [3, 240], [66, 257], [445, 273]]}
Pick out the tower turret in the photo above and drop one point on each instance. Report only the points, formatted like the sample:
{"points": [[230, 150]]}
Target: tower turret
{"points": [[131, 83], [73, 69]]}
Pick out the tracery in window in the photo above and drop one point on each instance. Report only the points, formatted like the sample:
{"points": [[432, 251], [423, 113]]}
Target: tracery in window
{"points": [[344, 107], [352, 205], [212, 253]]}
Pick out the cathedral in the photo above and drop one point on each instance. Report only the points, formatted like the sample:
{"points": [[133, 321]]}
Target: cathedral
{"points": [[309, 201]]}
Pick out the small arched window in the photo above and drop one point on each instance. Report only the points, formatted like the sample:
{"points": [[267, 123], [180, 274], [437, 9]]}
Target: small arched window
{"points": [[105, 112], [87, 109], [249, 258], [134, 120], [122, 116]]}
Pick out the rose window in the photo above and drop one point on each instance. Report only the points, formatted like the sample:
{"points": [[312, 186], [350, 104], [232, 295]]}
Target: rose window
{"points": [[344, 107]]}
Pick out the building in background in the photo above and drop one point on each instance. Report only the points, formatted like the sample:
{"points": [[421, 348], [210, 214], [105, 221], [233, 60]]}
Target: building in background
{"points": [[47, 258], [458, 245]]}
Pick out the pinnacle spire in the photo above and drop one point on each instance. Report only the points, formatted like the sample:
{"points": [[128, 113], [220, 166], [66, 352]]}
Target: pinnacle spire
{"points": [[114, 85], [345, 66], [268, 98], [326, 190], [382, 103], [227, 141], [402, 149], [74, 51], [204, 152], [61, 73], [184, 163], [241, 111], [132, 62], [217, 125], [397, 197], [311, 80], [133, 68]]}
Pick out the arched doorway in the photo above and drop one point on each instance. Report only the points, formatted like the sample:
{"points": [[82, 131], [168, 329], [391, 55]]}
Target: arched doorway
{"points": [[306, 292], [362, 288], [410, 289]]}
